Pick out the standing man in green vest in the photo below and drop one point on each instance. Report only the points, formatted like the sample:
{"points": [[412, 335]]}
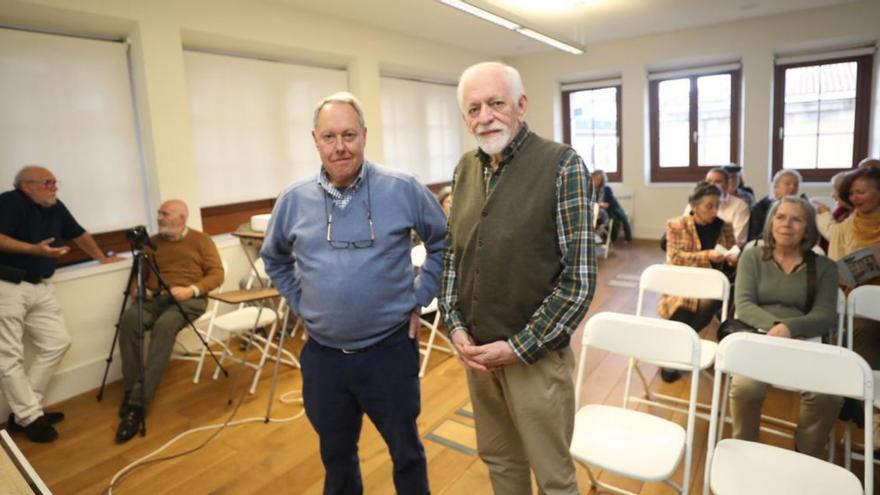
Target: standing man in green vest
{"points": [[519, 276]]}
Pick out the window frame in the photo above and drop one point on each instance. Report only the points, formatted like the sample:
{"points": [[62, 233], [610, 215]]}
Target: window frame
{"points": [[861, 126], [566, 124], [693, 171]]}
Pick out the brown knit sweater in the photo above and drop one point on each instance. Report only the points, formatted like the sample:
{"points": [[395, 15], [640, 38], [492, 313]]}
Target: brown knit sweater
{"points": [[193, 260]]}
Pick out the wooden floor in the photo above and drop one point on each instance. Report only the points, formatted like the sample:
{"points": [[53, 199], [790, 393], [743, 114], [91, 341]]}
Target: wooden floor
{"points": [[282, 456]]}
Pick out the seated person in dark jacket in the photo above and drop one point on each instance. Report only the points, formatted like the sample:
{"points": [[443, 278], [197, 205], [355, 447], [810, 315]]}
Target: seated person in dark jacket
{"points": [[785, 183], [610, 207], [772, 294]]}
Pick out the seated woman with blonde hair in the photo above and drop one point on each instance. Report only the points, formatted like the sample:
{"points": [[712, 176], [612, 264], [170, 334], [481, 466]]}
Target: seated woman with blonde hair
{"points": [[787, 290]]}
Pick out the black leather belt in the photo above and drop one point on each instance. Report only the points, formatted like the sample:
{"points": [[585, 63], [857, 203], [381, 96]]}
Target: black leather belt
{"points": [[399, 333]]}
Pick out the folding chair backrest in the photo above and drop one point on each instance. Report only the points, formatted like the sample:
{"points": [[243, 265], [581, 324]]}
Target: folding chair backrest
{"points": [[648, 339], [596, 214], [864, 302], [684, 281], [796, 364]]}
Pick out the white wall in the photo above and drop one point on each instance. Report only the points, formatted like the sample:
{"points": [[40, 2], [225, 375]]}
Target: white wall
{"points": [[754, 42], [158, 31]]}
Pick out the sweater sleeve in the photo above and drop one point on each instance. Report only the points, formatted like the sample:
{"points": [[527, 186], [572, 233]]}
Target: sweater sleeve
{"points": [[212, 267], [822, 315]]}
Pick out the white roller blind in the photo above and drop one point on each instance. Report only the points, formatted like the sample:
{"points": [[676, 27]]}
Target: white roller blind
{"points": [[422, 127], [66, 104], [252, 123]]}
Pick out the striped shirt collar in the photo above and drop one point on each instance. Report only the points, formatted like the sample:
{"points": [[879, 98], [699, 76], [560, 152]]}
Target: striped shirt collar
{"points": [[341, 196]]}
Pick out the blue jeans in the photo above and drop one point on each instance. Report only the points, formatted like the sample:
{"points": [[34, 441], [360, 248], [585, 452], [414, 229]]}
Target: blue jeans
{"points": [[381, 381]]}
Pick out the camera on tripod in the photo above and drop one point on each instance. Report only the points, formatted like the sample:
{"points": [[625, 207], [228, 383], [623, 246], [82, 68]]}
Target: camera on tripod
{"points": [[139, 238]]}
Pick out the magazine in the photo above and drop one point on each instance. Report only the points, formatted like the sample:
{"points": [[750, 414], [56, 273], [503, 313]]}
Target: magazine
{"points": [[860, 266]]}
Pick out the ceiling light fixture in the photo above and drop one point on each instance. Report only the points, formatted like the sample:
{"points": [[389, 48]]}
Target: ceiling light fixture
{"points": [[508, 24]]}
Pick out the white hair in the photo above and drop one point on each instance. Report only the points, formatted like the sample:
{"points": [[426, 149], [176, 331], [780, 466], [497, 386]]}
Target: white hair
{"points": [[340, 97], [514, 81]]}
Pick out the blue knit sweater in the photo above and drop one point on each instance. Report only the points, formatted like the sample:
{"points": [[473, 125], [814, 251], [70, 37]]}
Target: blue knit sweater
{"points": [[352, 298]]}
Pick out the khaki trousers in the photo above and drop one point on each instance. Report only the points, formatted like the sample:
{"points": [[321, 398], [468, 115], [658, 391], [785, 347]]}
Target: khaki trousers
{"points": [[29, 310], [524, 416], [817, 415]]}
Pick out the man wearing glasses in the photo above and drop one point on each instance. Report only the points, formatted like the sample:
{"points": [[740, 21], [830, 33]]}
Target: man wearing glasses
{"points": [[32, 222], [338, 248], [519, 275]]}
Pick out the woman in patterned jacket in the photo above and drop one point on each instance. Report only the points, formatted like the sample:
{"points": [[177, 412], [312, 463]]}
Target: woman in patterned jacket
{"points": [[691, 241]]}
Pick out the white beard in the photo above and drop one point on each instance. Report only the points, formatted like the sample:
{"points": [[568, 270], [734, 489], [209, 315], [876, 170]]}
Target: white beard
{"points": [[495, 143]]}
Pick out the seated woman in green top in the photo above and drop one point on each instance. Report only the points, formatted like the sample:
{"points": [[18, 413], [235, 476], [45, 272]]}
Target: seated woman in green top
{"points": [[772, 294]]}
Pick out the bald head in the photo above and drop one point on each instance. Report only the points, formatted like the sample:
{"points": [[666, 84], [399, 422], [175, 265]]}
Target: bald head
{"points": [[37, 183], [172, 217]]}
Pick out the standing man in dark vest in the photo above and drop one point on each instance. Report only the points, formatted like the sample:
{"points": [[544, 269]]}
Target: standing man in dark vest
{"points": [[519, 276]]}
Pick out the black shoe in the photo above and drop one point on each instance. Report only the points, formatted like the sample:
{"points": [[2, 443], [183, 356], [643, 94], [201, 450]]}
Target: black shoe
{"points": [[53, 417], [669, 376], [123, 408], [130, 424], [39, 431]]}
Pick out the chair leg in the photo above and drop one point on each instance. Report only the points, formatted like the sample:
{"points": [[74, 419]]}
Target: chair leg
{"points": [[608, 238], [263, 355]]}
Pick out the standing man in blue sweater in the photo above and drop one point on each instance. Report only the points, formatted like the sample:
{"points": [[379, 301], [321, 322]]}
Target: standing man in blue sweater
{"points": [[338, 249]]}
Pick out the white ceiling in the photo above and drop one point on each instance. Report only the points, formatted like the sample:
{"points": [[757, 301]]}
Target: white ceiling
{"points": [[580, 22]]}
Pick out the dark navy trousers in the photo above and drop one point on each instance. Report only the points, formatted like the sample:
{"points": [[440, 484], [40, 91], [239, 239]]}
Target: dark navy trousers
{"points": [[383, 382]]}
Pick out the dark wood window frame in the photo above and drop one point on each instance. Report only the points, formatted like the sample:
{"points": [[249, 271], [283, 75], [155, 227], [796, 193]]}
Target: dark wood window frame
{"points": [[694, 171], [566, 125], [861, 131]]}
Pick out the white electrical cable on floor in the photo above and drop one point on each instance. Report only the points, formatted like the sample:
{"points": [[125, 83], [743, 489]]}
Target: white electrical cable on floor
{"points": [[285, 399]]}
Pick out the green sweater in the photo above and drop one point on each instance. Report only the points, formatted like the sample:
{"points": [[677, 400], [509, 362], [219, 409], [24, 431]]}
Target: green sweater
{"points": [[765, 295]]}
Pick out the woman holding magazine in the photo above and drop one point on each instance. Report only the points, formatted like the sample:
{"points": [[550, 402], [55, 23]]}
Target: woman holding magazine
{"points": [[787, 291], [860, 230], [699, 239]]}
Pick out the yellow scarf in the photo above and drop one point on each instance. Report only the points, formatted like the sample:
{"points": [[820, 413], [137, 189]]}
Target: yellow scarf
{"points": [[866, 228]]}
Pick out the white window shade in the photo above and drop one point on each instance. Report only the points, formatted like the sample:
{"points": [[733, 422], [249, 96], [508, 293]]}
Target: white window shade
{"points": [[422, 127], [252, 123], [66, 104]]}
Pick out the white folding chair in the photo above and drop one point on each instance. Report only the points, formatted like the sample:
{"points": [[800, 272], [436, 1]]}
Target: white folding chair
{"points": [[863, 302], [772, 422], [684, 281], [623, 441], [183, 353], [418, 256], [738, 466], [246, 320]]}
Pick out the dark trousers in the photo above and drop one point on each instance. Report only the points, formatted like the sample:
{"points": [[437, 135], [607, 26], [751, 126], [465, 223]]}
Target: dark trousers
{"points": [[699, 319], [163, 320], [620, 220], [383, 382]]}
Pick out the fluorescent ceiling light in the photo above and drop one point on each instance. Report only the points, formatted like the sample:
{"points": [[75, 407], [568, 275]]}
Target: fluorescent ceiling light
{"points": [[482, 14], [549, 41], [508, 24]]}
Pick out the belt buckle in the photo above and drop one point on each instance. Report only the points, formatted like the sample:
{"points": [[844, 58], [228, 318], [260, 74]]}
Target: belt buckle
{"points": [[348, 351]]}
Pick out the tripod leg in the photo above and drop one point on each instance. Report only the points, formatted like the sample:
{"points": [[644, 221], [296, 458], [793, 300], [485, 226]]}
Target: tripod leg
{"points": [[126, 293], [164, 286]]}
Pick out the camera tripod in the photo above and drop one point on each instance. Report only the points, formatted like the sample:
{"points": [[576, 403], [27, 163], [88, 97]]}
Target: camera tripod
{"points": [[140, 261]]}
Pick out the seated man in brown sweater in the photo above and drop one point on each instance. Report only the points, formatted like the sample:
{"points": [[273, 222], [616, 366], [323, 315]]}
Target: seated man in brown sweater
{"points": [[190, 264]]}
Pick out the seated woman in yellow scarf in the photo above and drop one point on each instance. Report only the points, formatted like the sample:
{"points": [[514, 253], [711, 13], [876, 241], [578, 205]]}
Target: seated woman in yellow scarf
{"points": [[861, 188]]}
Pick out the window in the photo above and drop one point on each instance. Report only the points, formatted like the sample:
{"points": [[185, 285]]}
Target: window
{"points": [[66, 104], [694, 119], [592, 126], [423, 132], [821, 115], [252, 123]]}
